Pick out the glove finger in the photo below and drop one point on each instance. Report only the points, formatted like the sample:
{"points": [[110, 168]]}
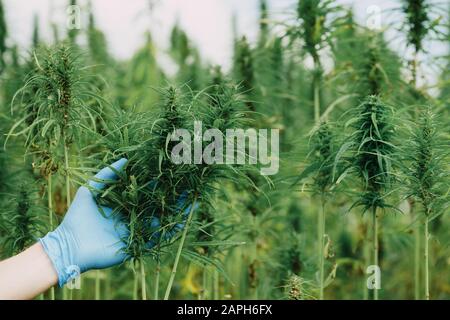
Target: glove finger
{"points": [[108, 173]]}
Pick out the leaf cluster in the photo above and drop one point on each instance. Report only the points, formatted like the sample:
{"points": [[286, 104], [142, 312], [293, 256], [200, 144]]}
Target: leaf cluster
{"points": [[53, 105], [153, 188]]}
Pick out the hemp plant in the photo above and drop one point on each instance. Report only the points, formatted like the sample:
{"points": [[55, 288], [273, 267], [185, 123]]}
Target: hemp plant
{"points": [[3, 35], [322, 158], [315, 25], [422, 19], [146, 193], [155, 196], [425, 159], [244, 70], [22, 220], [298, 288], [371, 151], [53, 106], [225, 112]]}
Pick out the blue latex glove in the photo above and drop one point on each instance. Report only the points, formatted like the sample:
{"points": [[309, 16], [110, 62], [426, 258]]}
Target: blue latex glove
{"points": [[87, 239]]}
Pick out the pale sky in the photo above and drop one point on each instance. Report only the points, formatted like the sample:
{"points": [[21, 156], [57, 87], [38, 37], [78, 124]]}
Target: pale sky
{"points": [[207, 22]]}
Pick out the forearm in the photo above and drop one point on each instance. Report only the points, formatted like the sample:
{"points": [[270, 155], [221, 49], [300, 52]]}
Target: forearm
{"points": [[27, 274]]}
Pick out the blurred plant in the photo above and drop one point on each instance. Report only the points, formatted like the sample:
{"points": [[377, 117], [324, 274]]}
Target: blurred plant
{"points": [[35, 38], [316, 24], [3, 35], [72, 32], [422, 19], [243, 70], [186, 56], [297, 289], [141, 78], [97, 44], [22, 222], [263, 23]]}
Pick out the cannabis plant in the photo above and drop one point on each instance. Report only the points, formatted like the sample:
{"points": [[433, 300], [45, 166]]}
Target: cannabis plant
{"points": [[244, 70], [22, 221], [3, 34], [423, 21], [298, 289], [321, 168], [154, 195], [428, 181], [53, 106], [371, 159], [316, 23]]}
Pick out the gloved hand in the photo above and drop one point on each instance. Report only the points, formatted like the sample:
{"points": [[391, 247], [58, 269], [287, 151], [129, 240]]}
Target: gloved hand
{"points": [[87, 239]]}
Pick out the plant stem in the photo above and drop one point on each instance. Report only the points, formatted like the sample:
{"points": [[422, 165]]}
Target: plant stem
{"points": [[180, 248], [157, 275], [316, 89], [417, 261], [204, 294], [321, 236], [135, 285], [414, 64], [50, 216], [375, 246], [254, 285], [97, 284], [66, 167], [143, 284], [366, 252], [427, 275], [216, 285]]}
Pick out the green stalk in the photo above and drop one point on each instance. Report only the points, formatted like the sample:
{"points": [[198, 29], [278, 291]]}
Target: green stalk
{"points": [[414, 65], [316, 89], [375, 246], [417, 237], [427, 274], [143, 284], [135, 285], [216, 285], [97, 284], [50, 216], [66, 167], [321, 236], [417, 261], [180, 248], [366, 253], [254, 286], [157, 276], [204, 294]]}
